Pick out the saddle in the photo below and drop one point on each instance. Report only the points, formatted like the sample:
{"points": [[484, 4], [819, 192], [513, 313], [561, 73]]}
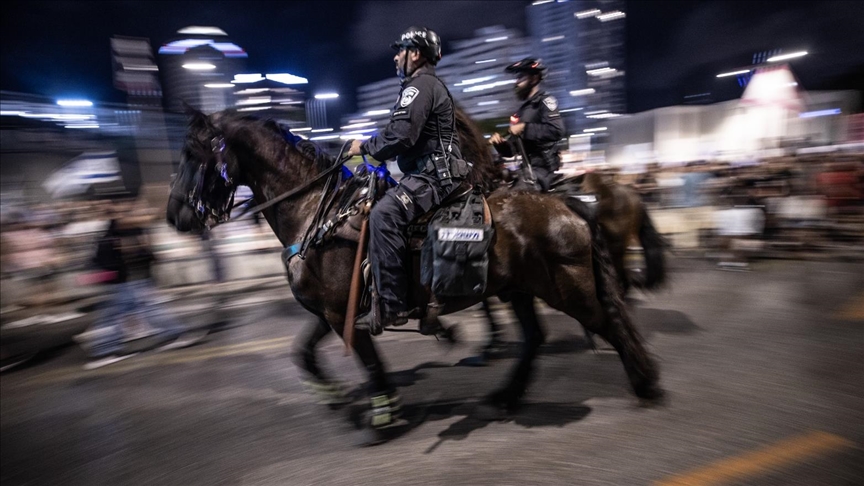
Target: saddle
{"points": [[345, 218], [448, 244]]}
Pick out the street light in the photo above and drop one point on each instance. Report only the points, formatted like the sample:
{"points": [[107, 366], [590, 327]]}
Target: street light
{"points": [[199, 66], [76, 103], [733, 73], [781, 57], [784, 57]]}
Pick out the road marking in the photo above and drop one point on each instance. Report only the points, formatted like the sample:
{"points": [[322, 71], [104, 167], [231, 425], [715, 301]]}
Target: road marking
{"points": [[853, 310], [784, 453], [159, 359]]}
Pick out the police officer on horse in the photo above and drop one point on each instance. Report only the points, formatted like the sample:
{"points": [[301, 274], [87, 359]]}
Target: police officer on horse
{"points": [[538, 123], [422, 136]]}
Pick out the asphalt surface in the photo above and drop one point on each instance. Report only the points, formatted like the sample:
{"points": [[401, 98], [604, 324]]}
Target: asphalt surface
{"points": [[763, 369]]}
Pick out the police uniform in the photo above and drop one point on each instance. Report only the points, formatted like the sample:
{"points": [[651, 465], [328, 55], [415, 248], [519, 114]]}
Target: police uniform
{"points": [[422, 118], [544, 127]]}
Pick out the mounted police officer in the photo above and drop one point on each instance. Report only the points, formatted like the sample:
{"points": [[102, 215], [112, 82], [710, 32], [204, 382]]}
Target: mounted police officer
{"points": [[538, 123], [422, 136]]}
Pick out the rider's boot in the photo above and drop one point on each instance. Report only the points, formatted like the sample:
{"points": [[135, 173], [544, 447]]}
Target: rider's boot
{"points": [[380, 317]]}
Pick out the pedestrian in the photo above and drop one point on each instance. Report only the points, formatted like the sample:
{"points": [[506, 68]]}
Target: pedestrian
{"points": [[124, 250]]}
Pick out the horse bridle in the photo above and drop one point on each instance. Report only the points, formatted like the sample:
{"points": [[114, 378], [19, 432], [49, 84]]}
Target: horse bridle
{"points": [[222, 214], [195, 197]]}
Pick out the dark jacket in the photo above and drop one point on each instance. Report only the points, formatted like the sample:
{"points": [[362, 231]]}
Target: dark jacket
{"points": [[125, 252], [544, 127], [108, 256], [412, 133]]}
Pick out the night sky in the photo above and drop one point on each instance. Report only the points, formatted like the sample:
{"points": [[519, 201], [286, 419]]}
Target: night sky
{"points": [[673, 48]]}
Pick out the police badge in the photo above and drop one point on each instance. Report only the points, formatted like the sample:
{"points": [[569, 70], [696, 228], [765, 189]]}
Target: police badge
{"points": [[408, 96], [549, 101]]}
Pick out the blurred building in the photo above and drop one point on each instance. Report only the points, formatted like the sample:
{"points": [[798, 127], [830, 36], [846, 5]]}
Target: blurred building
{"points": [[374, 101], [274, 95], [582, 42], [135, 71], [198, 67], [38, 137], [760, 124], [316, 113], [473, 70]]}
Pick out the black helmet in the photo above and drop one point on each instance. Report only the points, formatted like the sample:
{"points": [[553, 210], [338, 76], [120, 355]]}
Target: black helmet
{"points": [[528, 65], [422, 39]]}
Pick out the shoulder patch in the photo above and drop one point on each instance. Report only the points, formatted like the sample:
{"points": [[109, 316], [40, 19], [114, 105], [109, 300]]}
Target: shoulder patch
{"points": [[408, 96], [550, 103]]}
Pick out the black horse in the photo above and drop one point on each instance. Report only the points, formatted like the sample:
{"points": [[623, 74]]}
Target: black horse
{"points": [[559, 258]]}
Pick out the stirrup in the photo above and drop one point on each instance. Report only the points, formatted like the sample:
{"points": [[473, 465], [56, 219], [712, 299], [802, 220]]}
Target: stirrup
{"points": [[375, 324]]}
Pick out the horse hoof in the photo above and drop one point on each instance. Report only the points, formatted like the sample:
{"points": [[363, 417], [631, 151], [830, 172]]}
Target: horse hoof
{"points": [[370, 436], [379, 428], [651, 395], [649, 392]]}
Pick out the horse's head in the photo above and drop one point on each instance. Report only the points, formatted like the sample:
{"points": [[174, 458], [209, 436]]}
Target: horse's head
{"points": [[203, 191]]}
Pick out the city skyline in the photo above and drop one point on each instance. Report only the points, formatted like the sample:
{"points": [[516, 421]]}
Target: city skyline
{"points": [[672, 47]]}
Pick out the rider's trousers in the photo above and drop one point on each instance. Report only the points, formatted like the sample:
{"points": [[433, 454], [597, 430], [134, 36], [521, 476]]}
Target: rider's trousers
{"points": [[388, 240]]}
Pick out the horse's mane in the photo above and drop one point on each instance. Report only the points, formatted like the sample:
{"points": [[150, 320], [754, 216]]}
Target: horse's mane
{"points": [[475, 149], [279, 133]]}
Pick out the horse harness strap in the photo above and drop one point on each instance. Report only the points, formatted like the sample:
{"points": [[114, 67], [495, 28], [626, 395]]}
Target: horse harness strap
{"points": [[286, 195], [443, 165]]}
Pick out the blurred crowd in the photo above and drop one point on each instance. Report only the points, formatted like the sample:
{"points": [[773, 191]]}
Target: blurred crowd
{"points": [[836, 179], [67, 250], [42, 239], [797, 206], [814, 198]]}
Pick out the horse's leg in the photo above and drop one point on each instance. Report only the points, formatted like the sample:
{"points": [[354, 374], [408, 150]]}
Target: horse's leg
{"points": [[385, 402], [509, 396], [600, 309], [495, 343], [496, 332], [618, 252], [330, 392], [653, 246]]}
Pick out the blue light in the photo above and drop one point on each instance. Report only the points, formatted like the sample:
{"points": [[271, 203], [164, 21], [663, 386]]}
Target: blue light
{"points": [[813, 114], [181, 46]]}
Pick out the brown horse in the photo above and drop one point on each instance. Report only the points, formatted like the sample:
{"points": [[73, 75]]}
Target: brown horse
{"points": [[559, 258], [623, 218], [620, 211]]}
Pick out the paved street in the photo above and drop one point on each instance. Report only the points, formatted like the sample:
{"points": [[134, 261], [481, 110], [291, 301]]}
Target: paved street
{"points": [[764, 372]]}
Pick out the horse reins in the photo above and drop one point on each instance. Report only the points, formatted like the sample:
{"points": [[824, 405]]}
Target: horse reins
{"points": [[340, 162]]}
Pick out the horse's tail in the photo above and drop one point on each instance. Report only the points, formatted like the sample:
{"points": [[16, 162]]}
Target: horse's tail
{"points": [[654, 246], [608, 288], [620, 331]]}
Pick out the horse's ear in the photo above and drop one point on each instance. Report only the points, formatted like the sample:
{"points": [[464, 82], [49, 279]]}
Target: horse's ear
{"points": [[196, 118]]}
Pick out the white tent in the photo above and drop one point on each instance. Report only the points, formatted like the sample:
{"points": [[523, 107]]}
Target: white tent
{"points": [[770, 101]]}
